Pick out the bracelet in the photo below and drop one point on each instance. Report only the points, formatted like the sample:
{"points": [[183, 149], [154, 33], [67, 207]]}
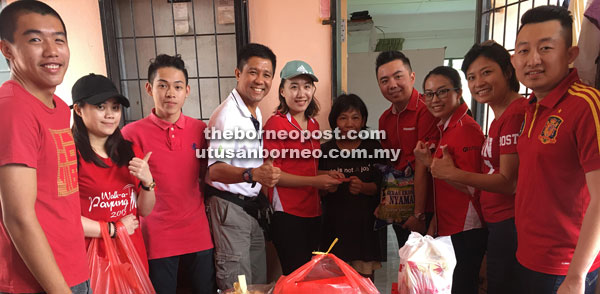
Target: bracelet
{"points": [[108, 224], [114, 234]]}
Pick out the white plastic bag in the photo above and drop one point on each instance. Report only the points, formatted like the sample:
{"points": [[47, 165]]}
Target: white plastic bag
{"points": [[426, 265]]}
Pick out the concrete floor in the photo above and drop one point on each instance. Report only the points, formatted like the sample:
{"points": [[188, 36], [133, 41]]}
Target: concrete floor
{"points": [[388, 273]]}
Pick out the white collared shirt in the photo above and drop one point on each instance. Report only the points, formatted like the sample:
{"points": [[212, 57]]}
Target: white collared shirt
{"points": [[233, 114]]}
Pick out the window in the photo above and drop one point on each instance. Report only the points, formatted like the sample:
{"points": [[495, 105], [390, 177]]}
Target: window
{"points": [[205, 32]]}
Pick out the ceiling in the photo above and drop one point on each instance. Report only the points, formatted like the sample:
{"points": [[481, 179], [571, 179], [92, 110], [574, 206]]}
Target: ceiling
{"points": [[422, 23]]}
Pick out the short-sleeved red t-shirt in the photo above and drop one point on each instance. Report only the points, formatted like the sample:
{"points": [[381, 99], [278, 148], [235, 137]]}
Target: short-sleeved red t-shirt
{"points": [[108, 194], [298, 201], [456, 210], [559, 144], [178, 223], [39, 137], [501, 139]]}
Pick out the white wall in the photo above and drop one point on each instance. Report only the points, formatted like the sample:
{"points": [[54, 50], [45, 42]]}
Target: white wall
{"points": [[362, 80], [454, 31]]}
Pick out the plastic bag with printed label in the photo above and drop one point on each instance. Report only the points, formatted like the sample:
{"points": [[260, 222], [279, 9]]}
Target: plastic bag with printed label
{"points": [[397, 199], [115, 266], [426, 265], [325, 273]]}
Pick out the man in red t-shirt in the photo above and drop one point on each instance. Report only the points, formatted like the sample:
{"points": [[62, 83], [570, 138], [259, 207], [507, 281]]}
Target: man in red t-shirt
{"points": [[41, 238], [406, 122], [557, 205]]}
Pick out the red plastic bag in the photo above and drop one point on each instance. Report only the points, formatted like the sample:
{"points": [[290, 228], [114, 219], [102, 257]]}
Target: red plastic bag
{"points": [[325, 273], [116, 268]]}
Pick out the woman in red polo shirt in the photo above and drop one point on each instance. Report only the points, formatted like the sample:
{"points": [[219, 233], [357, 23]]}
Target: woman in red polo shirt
{"points": [[492, 80], [115, 183], [295, 199], [457, 209]]}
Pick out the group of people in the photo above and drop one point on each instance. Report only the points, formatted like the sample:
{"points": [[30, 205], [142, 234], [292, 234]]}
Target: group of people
{"points": [[523, 194]]}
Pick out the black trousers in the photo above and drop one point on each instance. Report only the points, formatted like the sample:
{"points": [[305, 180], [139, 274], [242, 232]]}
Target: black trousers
{"points": [[501, 260], [295, 238], [199, 266], [469, 248]]}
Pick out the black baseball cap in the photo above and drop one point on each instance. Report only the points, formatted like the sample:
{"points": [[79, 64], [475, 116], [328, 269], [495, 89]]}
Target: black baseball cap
{"points": [[95, 89]]}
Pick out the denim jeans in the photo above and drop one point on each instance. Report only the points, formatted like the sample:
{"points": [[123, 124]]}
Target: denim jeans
{"points": [[532, 282]]}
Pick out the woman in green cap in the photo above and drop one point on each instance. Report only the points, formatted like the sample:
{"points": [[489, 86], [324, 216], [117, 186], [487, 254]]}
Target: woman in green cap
{"points": [[297, 219]]}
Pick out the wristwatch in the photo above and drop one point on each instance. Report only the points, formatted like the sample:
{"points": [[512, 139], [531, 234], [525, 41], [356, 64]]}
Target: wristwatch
{"points": [[247, 176], [150, 187]]}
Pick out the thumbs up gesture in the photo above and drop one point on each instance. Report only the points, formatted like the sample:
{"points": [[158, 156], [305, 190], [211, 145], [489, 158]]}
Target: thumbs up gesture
{"points": [[443, 168], [140, 169], [266, 174], [422, 153]]}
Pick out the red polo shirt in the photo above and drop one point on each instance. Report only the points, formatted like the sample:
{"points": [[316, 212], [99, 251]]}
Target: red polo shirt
{"points": [[458, 211], [501, 139], [177, 225], [558, 146], [299, 201], [404, 129]]}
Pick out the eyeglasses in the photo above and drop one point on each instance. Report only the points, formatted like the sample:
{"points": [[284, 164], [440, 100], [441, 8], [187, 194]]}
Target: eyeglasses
{"points": [[441, 93]]}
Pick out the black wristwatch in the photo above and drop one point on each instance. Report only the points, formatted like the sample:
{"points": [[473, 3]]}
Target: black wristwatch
{"points": [[247, 176], [150, 187]]}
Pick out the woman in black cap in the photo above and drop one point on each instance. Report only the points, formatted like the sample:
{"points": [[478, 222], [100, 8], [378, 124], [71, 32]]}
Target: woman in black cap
{"points": [[115, 183]]}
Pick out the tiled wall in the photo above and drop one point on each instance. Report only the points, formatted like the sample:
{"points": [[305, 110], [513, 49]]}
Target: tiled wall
{"points": [[145, 29]]}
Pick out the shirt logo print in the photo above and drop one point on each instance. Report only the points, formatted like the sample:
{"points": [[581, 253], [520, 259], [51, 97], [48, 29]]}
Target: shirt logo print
{"points": [[550, 130], [67, 162]]}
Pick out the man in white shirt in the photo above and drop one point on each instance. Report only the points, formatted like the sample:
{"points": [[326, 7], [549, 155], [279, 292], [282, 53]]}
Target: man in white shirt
{"points": [[234, 183]]}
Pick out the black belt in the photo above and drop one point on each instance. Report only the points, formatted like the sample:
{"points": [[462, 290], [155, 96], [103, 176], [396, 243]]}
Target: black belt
{"points": [[238, 199]]}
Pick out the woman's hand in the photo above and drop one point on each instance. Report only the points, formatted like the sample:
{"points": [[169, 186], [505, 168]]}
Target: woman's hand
{"points": [[443, 168], [130, 222], [141, 170], [336, 174], [356, 185], [325, 182], [423, 154]]}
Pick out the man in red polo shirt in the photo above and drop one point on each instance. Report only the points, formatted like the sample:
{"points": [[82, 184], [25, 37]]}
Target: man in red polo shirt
{"points": [[406, 122], [557, 205], [177, 229], [41, 238]]}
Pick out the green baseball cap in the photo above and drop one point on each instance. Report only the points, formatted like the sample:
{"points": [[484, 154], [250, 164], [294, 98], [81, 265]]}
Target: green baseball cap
{"points": [[295, 68]]}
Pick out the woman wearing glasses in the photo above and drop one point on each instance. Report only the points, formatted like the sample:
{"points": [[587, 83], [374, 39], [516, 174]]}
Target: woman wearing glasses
{"points": [[491, 78], [457, 209]]}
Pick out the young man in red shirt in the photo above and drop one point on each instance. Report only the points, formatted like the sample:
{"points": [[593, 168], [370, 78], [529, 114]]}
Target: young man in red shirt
{"points": [[41, 238], [557, 205], [177, 230], [406, 122]]}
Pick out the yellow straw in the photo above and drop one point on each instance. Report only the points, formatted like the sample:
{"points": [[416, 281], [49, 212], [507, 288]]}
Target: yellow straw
{"points": [[330, 247]]}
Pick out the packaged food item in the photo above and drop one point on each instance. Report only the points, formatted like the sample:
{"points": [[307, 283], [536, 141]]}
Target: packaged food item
{"points": [[426, 265], [397, 200]]}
